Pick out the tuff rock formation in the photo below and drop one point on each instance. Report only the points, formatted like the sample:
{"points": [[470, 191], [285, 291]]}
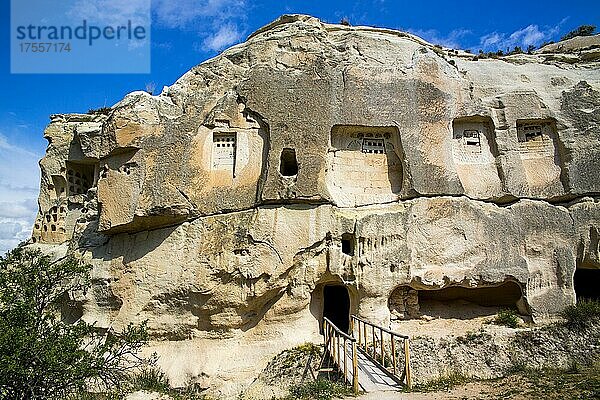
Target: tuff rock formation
{"points": [[314, 156]]}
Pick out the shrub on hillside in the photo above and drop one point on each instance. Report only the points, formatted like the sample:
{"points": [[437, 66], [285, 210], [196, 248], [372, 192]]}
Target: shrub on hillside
{"points": [[44, 357], [583, 30], [507, 318], [582, 314]]}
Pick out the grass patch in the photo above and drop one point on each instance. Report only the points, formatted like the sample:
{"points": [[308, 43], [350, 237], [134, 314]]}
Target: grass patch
{"points": [[155, 380], [442, 383], [507, 318], [97, 396], [574, 382], [474, 337], [149, 379], [321, 389], [290, 358], [583, 314]]}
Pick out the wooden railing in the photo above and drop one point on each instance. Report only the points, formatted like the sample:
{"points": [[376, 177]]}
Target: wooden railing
{"points": [[336, 343], [382, 347]]}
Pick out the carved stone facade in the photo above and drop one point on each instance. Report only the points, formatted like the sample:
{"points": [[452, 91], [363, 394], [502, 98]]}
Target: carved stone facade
{"points": [[315, 157]]}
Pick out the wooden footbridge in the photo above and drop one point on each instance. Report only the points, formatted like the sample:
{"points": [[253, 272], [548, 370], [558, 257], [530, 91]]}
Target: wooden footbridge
{"points": [[370, 358]]}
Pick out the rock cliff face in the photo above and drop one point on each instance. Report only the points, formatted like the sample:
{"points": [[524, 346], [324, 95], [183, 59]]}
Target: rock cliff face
{"points": [[315, 156]]}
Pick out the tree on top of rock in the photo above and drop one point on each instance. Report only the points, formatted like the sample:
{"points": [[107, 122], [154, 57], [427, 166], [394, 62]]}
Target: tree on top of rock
{"points": [[583, 30]]}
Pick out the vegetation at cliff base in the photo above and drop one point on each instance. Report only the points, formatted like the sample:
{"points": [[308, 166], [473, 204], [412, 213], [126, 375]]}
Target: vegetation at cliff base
{"points": [[583, 314], [507, 318], [321, 389], [42, 356]]}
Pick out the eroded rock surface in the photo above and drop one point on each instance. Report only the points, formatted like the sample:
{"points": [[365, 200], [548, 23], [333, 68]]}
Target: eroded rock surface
{"points": [[315, 155]]}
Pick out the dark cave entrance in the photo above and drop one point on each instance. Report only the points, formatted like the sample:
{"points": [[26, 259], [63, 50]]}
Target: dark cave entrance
{"points": [[587, 284], [336, 306]]}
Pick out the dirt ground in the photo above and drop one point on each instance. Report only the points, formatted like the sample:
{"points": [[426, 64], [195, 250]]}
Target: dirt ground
{"points": [[580, 383]]}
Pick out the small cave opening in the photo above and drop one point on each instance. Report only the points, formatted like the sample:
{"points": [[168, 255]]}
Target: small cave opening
{"points": [[336, 306], [288, 165], [348, 244], [587, 284], [455, 302], [71, 310], [80, 177]]}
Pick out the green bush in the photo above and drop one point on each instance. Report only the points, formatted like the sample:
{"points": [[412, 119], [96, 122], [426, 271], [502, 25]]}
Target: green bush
{"points": [[582, 314], [507, 318], [151, 379], [42, 356], [321, 389]]}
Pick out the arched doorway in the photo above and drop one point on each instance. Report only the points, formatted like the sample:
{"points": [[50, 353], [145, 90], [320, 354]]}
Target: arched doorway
{"points": [[336, 306]]}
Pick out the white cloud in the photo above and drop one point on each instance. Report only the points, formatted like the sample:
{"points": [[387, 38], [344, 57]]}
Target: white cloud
{"points": [[12, 232], [177, 14], [491, 40], [531, 35], [19, 183], [451, 40], [9, 229], [217, 22], [113, 13], [18, 209], [226, 35]]}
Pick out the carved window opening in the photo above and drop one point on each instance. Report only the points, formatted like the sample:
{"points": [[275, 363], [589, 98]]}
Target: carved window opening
{"points": [[224, 151], [80, 177], [533, 132], [472, 137], [59, 185], [288, 164], [348, 244], [373, 146]]}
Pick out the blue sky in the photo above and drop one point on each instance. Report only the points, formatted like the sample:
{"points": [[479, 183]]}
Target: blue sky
{"points": [[187, 32]]}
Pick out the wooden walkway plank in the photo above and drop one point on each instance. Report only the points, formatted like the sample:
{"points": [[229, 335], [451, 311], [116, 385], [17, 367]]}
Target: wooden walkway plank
{"points": [[371, 377]]}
